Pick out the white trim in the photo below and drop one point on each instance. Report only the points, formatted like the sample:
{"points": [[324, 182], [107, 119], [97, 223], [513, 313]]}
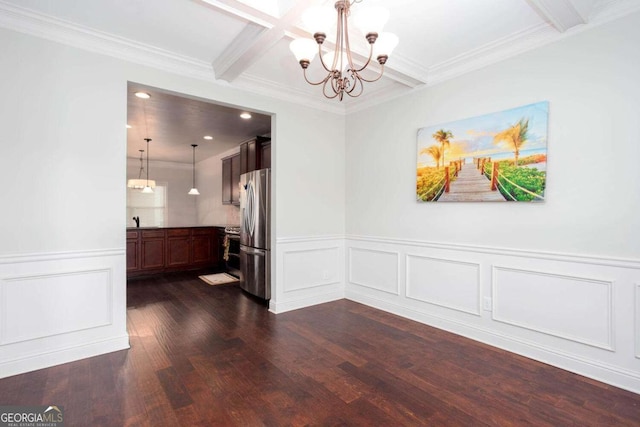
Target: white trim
{"points": [[27, 21], [637, 319], [24, 277], [295, 304], [478, 311], [620, 377], [287, 289], [308, 239], [397, 266], [609, 345], [63, 355], [56, 256], [496, 250]]}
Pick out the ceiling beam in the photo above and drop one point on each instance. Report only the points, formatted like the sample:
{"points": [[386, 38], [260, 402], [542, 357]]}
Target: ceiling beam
{"points": [[563, 14], [263, 31]]}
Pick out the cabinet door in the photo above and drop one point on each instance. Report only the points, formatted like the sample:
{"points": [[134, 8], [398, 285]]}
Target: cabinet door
{"points": [[266, 156], [202, 246], [152, 250], [226, 181], [178, 247], [253, 162], [235, 180], [133, 251], [244, 164]]}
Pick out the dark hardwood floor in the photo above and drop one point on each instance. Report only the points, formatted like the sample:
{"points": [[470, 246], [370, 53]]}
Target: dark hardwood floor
{"points": [[210, 355]]}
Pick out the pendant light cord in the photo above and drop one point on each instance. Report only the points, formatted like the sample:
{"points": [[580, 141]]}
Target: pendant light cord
{"points": [[194, 164]]}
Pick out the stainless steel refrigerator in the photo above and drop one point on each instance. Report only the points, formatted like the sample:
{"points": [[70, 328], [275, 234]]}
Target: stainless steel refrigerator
{"points": [[255, 233]]}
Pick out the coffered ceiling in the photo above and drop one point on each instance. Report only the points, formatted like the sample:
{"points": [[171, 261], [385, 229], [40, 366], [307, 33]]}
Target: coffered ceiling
{"points": [[244, 43]]}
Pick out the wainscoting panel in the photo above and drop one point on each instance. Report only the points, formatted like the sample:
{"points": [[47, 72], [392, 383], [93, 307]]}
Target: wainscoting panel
{"points": [[309, 271], [61, 307], [375, 269], [309, 268], [575, 308], [448, 283], [636, 332], [580, 313], [52, 304]]}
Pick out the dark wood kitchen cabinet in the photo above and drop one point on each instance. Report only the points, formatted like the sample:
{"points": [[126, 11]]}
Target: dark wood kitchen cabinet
{"points": [[203, 247], [133, 251], [178, 247], [152, 250], [252, 154], [171, 249], [231, 180]]}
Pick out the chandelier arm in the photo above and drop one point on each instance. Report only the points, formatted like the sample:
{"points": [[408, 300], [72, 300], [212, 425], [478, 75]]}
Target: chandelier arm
{"points": [[322, 60], [366, 64], [324, 90], [377, 78], [304, 72], [348, 48], [357, 83]]}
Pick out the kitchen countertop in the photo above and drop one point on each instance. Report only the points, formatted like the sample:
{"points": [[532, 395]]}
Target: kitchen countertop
{"points": [[183, 226]]}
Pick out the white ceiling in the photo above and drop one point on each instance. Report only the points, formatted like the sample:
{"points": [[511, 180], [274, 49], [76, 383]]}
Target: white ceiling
{"points": [[175, 122], [245, 42]]}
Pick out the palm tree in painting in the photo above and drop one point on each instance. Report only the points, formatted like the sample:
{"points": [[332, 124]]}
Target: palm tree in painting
{"points": [[516, 136], [435, 152], [443, 137]]}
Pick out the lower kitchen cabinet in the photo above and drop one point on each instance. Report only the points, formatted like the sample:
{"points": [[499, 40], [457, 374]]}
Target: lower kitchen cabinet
{"points": [[171, 249]]}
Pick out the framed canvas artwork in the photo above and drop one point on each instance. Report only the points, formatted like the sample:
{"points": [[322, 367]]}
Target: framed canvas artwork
{"points": [[497, 157]]}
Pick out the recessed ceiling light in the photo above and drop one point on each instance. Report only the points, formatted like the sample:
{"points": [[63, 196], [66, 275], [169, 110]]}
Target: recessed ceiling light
{"points": [[143, 95], [128, 126], [208, 137], [245, 116]]}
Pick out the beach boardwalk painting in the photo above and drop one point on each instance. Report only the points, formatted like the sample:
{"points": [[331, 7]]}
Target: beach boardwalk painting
{"points": [[497, 157]]}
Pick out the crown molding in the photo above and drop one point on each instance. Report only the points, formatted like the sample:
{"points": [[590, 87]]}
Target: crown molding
{"points": [[308, 98], [40, 25]]}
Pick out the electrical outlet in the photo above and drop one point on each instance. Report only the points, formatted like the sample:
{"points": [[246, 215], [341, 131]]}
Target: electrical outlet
{"points": [[325, 274], [487, 304]]}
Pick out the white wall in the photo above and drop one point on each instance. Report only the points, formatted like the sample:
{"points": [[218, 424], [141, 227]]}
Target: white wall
{"points": [[63, 162], [181, 207], [555, 281], [211, 211]]}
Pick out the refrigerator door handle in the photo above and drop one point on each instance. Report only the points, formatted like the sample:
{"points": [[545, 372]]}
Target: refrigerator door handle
{"points": [[249, 210], [252, 251]]}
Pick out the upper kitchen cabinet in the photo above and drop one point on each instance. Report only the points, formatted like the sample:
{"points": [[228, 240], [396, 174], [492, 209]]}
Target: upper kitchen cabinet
{"points": [[231, 180], [252, 154]]}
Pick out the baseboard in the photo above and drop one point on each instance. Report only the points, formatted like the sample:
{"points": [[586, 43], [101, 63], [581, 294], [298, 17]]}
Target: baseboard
{"points": [[625, 379], [290, 305], [64, 355]]}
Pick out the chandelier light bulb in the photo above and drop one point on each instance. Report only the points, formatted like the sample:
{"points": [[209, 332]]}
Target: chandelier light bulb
{"points": [[385, 44], [304, 49]]}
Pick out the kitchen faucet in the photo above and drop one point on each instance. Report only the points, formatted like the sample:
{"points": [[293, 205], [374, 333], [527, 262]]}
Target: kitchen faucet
{"points": [[137, 220]]}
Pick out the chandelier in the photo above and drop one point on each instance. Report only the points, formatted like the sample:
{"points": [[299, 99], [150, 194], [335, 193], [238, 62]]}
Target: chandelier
{"points": [[343, 76]]}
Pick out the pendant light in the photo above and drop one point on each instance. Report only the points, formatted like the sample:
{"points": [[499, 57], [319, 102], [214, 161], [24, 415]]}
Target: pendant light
{"points": [[147, 189], [140, 183], [194, 191]]}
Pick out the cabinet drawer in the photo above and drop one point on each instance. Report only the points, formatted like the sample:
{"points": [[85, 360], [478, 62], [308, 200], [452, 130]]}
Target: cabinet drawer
{"points": [[152, 234], [178, 232], [132, 234], [203, 231]]}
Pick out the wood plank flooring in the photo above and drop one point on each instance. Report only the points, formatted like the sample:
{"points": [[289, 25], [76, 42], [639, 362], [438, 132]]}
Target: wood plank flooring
{"points": [[211, 356]]}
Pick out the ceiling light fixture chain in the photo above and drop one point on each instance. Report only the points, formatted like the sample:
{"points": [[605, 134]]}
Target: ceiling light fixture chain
{"points": [[342, 75]]}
